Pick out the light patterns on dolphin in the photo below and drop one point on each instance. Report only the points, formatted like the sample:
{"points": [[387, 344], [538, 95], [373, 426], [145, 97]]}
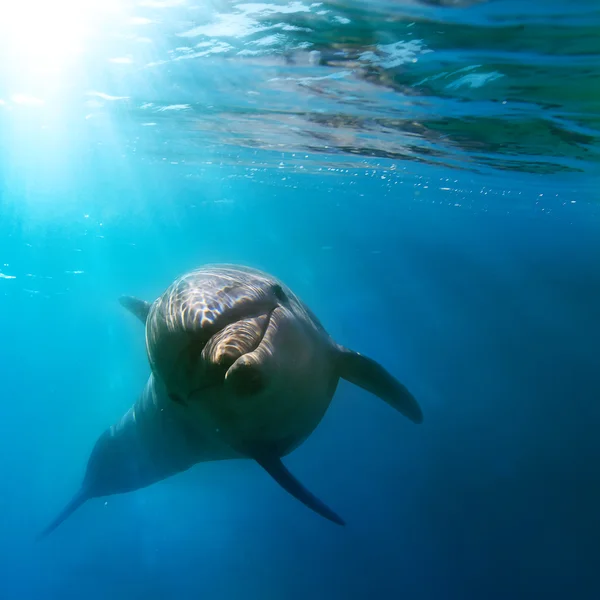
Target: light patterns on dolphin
{"points": [[225, 290], [185, 306], [235, 339]]}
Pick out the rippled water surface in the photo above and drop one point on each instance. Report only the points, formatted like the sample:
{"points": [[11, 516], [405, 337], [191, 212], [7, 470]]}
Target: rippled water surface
{"points": [[476, 86]]}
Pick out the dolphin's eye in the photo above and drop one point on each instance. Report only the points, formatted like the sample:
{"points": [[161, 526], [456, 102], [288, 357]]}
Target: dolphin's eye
{"points": [[279, 293]]}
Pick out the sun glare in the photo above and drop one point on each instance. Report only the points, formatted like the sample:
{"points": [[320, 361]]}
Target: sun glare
{"points": [[42, 38]]}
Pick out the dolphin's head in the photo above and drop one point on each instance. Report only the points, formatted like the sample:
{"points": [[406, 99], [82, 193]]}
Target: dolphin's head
{"points": [[201, 332]]}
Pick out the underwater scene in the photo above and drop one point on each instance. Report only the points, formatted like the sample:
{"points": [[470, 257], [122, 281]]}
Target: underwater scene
{"points": [[299, 300]]}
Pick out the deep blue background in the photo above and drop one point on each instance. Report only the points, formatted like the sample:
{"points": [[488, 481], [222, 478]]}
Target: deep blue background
{"points": [[487, 311]]}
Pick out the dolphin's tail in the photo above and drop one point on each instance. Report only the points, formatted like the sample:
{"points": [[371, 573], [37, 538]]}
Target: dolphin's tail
{"points": [[66, 512]]}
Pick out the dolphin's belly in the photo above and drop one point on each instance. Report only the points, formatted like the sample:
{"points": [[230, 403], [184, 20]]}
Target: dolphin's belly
{"points": [[282, 416], [286, 420]]}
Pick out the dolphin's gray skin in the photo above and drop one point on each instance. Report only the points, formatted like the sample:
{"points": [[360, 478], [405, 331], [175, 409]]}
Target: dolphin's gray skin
{"points": [[240, 368]]}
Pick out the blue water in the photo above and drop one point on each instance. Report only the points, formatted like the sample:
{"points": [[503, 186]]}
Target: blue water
{"points": [[423, 175]]}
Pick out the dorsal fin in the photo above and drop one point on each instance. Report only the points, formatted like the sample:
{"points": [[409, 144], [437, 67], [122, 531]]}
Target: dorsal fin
{"points": [[371, 376], [140, 308]]}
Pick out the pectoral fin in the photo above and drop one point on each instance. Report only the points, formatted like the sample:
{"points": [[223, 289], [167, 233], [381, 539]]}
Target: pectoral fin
{"points": [[140, 308], [371, 376], [277, 470]]}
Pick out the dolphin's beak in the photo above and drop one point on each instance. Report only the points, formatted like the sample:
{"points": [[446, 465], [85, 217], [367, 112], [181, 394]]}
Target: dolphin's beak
{"points": [[234, 341]]}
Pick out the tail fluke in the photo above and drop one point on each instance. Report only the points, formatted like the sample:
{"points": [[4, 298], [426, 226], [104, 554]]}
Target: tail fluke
{"points": [[67, 511]]}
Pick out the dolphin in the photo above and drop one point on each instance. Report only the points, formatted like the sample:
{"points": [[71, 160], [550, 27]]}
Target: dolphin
{"points": [[240, 368]]}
